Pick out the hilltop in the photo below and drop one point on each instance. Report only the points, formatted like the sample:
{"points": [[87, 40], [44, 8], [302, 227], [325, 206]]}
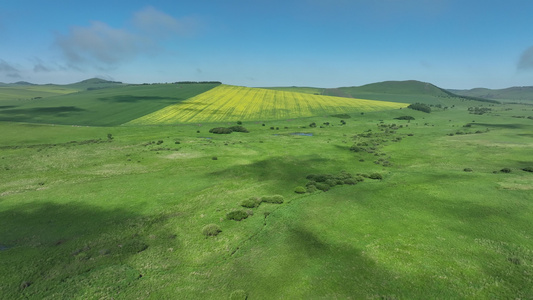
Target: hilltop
{"points": [[94, 83]]}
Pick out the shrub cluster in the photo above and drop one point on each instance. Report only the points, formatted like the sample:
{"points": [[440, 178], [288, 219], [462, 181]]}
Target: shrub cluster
{"points": [[405, 118], [528, 169], [420, 107], [228, 130], [237, 215], [479, 110], [324, 182], [276, 199], [251, 202]]}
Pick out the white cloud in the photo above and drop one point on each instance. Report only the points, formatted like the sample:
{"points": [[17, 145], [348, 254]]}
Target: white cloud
{"points": [[100, 44], [104, 47]]}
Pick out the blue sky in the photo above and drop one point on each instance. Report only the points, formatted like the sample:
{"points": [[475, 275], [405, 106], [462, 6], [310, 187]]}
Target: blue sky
{"points": [[450, 43]]}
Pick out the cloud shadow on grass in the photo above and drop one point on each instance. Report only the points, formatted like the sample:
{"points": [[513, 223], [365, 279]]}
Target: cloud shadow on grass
{"points": [[286, 170], [30, 114], [63, 248], [135, 99]]}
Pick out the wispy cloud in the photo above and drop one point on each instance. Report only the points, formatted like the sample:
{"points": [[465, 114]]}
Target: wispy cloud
{"points": [[104, 47], [9, 70], [154, 22], [98, 44], [526, 60], [40, 67]]}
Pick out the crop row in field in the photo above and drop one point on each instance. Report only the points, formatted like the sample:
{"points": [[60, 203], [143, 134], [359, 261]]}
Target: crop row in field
{"points": [[233, 103]]}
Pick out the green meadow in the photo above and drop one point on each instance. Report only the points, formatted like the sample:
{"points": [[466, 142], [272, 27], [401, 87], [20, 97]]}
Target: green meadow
{"points": [[373, 207], [96, 105]]}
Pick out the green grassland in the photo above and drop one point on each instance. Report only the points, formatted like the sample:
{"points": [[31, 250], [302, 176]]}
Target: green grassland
{"points": [[31, 92], [109, 106], [118, 211]]}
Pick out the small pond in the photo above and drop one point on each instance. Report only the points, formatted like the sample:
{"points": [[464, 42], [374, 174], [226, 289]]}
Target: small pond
{"points": [[302, 133]]}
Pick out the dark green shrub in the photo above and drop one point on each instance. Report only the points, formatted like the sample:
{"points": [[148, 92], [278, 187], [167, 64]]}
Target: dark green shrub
{"points": [[237, 215], [405, 118], [322, 186], [331, 182], [467, 170], [528, 169], [375, 176], [505, 170], [220, 130], [420, 107], [214, 158], [300, 190], [249, 203], [350, 181], [356, 148], [239, 123], [238, 129], [311, 188], [276, 199], [211, 230]]}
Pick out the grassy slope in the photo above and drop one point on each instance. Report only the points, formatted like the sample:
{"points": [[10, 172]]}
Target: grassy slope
{"points": [[401, 91], [27, 92], [235, 103], [102, 107], [513, 94], [79, 215]]}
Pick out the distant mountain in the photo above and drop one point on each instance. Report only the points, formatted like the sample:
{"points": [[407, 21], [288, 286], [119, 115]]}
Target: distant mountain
{"points": [[94, 84], [23, 83], [512, 94]]}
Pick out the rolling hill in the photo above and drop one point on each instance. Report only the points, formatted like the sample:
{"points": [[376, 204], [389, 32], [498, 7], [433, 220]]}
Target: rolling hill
{"points": [[522, 94], [98, 107], [409, 91]]}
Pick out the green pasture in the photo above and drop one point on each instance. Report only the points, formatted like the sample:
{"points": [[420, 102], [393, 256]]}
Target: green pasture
{"points": [[99, 107], [18, 93], [118, 211]]}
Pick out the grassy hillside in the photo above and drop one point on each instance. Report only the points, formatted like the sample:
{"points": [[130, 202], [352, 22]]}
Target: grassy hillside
{"points": [[233, 103], [410, 91], [522, 94], [94, 83], [99, 107], [12, 92], [102, 212]]}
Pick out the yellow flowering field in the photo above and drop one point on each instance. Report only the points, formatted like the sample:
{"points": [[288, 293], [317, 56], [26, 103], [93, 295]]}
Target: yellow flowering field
{"points": [[234, 103]]}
